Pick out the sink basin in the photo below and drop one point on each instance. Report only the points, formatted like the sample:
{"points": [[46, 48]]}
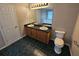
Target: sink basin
{"points": [[48, 25], [36, 23], [31, 25], [43, 28]]}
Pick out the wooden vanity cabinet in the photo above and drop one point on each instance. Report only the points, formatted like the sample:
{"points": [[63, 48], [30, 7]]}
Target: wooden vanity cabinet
{"points": [[38, 34]]}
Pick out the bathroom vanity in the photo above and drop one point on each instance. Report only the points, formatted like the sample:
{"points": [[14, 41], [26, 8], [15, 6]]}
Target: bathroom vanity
{"points": [[37, 33]]}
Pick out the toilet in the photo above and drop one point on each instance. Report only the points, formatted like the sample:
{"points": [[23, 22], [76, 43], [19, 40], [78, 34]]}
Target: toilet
{"points": [[59, 42]]}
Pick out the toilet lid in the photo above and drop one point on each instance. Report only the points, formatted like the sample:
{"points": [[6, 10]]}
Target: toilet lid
{"points": [[59, 41]]}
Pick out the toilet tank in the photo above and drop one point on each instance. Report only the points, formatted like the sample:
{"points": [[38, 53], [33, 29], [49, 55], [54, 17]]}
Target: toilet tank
{"points": [[60, 34]]}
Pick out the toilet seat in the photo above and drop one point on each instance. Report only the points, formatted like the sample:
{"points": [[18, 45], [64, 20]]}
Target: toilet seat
{"points": [[59, 42]]}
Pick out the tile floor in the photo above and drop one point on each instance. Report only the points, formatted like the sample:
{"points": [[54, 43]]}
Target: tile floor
{"points": [[30, 47]]}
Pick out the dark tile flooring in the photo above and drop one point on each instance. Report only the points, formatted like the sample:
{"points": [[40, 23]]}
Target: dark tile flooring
{"points": [[30, 47]]}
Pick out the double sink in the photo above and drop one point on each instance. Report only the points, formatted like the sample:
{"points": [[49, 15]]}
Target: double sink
{"points": [[43, 27]]}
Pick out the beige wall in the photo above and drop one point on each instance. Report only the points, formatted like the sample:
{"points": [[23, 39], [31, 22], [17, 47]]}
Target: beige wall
{"points": [[24, 15], [64, 19]]}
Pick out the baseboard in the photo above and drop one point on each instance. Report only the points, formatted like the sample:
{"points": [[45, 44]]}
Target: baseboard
{"points": [[71, 52], [67, 44], [10, 43], [69, 48]]}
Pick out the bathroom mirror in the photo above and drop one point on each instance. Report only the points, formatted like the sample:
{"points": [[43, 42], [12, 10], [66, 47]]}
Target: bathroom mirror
{"points": [[43, 15]]}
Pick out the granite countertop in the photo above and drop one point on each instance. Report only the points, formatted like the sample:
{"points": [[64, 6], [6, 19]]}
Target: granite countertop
{"points": [[38, 27]]}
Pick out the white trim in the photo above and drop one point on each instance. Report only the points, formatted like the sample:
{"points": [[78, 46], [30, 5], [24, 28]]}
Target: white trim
{"points": [[67, 44], [70, 51], [10, 43]]}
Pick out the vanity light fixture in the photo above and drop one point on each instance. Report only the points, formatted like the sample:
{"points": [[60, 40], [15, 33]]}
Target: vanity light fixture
{"points": [[38, 5]]}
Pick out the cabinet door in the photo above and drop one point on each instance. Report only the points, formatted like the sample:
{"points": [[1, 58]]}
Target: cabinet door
{"points": [[34, 33], [47, 37], [9, 24], [25, 30], [28, 31], [41, 36]]}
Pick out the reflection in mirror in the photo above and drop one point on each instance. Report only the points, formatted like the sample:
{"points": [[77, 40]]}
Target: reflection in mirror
{"points": [[44, 16]]}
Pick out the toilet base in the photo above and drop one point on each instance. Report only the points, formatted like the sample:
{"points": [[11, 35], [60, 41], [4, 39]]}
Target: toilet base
{"points": [[57, 50]]}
